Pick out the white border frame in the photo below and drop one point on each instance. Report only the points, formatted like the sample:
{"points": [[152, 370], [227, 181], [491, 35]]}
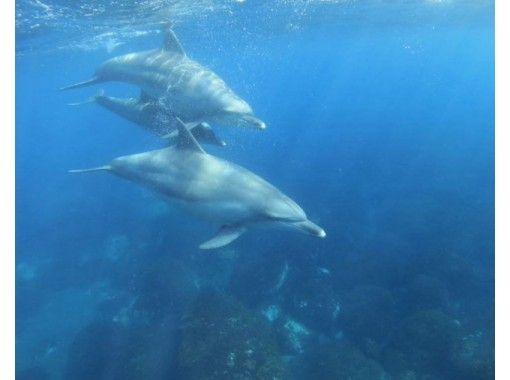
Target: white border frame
{"points": [[7, 197]]}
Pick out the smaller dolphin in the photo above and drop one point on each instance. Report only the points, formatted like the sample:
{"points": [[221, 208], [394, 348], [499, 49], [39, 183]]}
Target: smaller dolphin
{"points": [[187, 89], [149, 114], [216, 189]]}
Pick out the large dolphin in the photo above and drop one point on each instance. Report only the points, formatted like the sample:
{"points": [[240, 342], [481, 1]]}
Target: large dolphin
{"points": [[215, 189], [188, 90], [149, 114]]}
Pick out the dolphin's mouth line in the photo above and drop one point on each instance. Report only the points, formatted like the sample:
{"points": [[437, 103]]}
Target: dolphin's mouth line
{"points": [[307, 227]]}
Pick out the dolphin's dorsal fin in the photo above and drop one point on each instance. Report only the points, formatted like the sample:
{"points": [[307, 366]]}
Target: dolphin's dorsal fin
{"points": [[185, 139], [171, 43], [202, 132], [144, 97]]}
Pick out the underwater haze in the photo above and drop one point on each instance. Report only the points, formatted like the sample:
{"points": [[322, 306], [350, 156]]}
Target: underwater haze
{"points": [[380, 125]]}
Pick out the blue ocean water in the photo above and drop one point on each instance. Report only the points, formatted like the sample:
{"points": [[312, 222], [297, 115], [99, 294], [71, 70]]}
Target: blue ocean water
{"points": [[380, 123]]}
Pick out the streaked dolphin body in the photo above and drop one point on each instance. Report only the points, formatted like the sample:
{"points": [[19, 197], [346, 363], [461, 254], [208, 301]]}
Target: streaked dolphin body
{"points": [[187, 89], [149, 114], [215, 189]]}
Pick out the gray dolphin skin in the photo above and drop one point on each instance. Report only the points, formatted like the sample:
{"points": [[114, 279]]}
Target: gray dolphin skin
{"points": [[187, 89], [215, 189], [149, 114]]}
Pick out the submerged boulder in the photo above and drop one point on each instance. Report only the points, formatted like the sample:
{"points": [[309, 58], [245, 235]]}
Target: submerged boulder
{"points": [[427, 292], [95, 352], [256, 278], [474, 357], [429, 338], [293, 338], [221, 339], [165, 287], [311, 299], [340, 361], [108, 350], [368, 314]]}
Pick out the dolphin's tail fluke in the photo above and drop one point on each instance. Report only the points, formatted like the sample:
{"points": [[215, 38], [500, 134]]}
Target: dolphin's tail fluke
{"points": [[88, 82], [99, 168], [91, 99]]}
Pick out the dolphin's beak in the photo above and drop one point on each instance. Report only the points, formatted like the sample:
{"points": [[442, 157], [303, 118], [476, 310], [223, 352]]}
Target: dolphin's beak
{"points": [[308, 228], [217, 141], [253, 122], [85, 83]]}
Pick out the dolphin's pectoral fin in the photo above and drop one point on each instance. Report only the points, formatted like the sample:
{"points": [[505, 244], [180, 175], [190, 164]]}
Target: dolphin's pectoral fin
{"points": [[226, 235], [171, 43], [90, 99]]}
